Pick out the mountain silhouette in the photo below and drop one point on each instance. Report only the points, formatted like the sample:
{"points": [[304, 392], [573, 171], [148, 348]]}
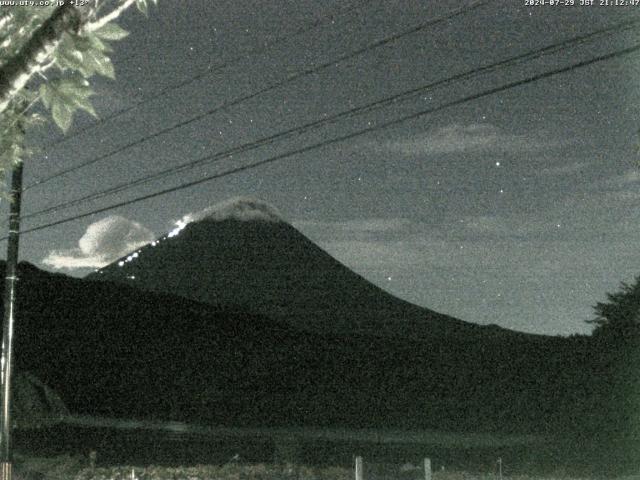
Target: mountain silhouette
{"points": [[115, 350], [242, 253]]}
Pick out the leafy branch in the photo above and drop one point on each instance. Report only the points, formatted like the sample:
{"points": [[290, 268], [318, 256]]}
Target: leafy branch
{"points": [[58, 49]]}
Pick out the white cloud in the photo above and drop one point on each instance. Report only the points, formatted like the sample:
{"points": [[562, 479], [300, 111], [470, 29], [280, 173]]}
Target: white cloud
{"points": [[104, 241], [471, 138]]}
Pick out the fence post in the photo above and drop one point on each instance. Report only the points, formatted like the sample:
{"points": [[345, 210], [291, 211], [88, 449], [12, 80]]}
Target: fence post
{"points": [[427, 469], [359, 474]]}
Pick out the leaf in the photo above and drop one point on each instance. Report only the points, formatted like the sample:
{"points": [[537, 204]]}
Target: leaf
{"points": [[45, 94], [142, 6], [111, 31], [80, 42], [98, 44], [62, 115], [83, 103], [71, 58], [67, 95], [71, 54], [101, 64], [108, 70], [70, 87]]}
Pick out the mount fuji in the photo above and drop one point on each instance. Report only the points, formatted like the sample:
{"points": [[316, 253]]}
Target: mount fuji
{"points": [[242, 253]]}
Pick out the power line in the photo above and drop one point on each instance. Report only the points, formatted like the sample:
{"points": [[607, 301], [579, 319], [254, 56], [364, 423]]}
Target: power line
{"points": [[209, 71], [403, 96], [289, 79], [342, 138]]}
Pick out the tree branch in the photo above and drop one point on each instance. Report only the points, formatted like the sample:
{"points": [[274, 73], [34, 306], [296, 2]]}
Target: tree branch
{"points": [[115, 13], [44, 68], [15, 74]]}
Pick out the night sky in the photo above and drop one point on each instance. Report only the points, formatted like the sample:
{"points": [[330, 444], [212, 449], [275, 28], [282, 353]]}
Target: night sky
{"points": [[519, 208]]}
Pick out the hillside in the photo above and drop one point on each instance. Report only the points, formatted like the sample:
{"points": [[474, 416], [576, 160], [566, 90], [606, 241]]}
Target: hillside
{"points": [[114, 350]]}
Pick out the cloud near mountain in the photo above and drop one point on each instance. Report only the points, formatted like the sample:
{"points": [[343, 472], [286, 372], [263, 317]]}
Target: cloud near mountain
{"points": [[103, 242]]}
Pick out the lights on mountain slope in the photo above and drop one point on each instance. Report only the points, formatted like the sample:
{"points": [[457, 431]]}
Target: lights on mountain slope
{"points": [[180, 224], [241, 209]]}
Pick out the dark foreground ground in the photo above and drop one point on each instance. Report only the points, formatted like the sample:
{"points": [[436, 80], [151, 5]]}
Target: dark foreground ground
{"points": [[76, 468], [177, 448]]}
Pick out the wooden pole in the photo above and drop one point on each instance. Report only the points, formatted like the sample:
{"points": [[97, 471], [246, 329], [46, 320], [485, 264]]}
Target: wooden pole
{"points": [[6, 360], [359, 472], [427, 469]]}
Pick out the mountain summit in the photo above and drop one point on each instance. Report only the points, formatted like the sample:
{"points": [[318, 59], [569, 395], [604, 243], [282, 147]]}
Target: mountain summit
{"points": [[242, 253], [238, 208]]}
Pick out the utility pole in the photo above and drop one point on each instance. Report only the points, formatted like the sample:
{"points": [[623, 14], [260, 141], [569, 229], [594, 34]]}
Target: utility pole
{"points": [[11, 279]]}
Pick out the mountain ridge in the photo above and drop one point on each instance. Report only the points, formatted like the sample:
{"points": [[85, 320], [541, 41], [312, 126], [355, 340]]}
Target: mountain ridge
{"points": [[270, 267]]}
